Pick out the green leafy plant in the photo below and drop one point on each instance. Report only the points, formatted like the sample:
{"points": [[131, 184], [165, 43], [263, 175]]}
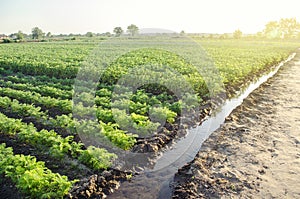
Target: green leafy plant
{"points": [[97, 158], [32, 177], [162, 114], [119, 137]]}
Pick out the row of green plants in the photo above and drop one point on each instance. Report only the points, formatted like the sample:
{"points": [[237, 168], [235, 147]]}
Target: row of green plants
{"points": [[31, 176], [235, 60], [137, 122], [28, 97], [60, 60], [232, 71], [55, 145], [242, 60], [43, 90], [37, 116], [37, 80], [40, 76], [40, 80], [139, 114]]}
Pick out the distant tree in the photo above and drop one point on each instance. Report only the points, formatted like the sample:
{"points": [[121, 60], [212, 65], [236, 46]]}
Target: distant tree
{"points": [[12, 35], [7, 40], [272, 30], [285, 28], [132, 29], [182, 32], [37, 33], [237, 34], [89, 34], [49, 34], [288, 27], [118, 31], [108, 34], [20, 35]]}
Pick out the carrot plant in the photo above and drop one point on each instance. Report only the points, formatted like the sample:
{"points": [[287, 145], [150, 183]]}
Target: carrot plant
{"points": [[31, 176]]}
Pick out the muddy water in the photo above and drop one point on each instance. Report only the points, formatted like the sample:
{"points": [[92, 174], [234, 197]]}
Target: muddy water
{"points": [[155, 182]]}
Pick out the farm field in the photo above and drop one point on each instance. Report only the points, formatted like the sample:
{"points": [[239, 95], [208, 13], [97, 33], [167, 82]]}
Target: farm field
{"points": [[47, 99], [255, 154]]}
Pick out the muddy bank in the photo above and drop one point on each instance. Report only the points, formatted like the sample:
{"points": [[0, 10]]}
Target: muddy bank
{"points": [[156, 183], [98, 186], [256, 153]]}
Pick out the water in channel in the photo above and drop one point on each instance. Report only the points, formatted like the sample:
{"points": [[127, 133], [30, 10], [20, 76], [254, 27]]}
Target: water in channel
{"points": [[155, 182]]}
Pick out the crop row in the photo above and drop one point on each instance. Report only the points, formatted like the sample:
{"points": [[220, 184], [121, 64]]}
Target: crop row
{"points": [[54, 144], [160, 73], [31, 176], [17, 77], [40, 80], [35, 115], [136, 122], [246, 59], [43, 90], [58, 60], [62, 106]]}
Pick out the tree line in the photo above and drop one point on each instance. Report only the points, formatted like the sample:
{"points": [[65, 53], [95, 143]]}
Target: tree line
{"points": [[37, 33], [286, 28]]}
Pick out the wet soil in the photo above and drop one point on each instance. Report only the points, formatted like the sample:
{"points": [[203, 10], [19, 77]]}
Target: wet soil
{"points": [[234, 161], [72, 170], [256, 153]]}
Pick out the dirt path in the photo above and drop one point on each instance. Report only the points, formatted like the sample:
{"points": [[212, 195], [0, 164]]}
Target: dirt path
{"points": [[256, 153]]}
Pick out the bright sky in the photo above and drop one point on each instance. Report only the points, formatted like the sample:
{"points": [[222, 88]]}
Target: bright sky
{"points": [[205, 16]]}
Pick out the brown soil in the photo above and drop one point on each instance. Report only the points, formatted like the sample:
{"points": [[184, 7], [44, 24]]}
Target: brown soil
{"points": [[256, 153], [7, 187]]}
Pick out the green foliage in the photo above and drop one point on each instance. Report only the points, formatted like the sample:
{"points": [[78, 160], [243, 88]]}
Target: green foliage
{"points": [[57, 146], [44, 90], [65, 122], [132, 29], [10, 126], [119, 137], [162, 114], [7, 40], [237, 34], [176, 107], [97, 158], [104, 115], [284, 28], [104, 102], [104, 92], [32, 177], [135, 123], [38, 78], [37, 33], [49, 59], [65, 106], [118, 31], [20, 35], [191, 101], [89, 34]]}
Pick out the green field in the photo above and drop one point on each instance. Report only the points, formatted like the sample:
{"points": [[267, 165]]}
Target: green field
{"points": [[136, 84]]}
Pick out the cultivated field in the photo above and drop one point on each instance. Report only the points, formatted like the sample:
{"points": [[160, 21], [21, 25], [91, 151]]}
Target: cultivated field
{"points": [[68, 110]]}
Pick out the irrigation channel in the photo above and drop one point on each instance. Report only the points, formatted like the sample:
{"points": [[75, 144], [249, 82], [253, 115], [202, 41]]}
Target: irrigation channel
{"points": [[157, 182]]}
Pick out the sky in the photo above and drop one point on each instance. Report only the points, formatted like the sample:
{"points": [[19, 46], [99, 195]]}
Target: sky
{"points": [[192, 16]]}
